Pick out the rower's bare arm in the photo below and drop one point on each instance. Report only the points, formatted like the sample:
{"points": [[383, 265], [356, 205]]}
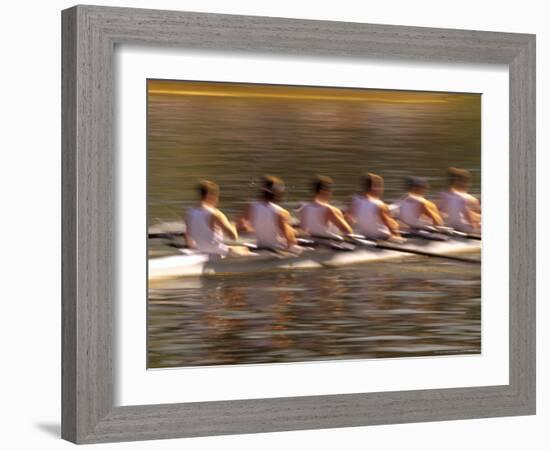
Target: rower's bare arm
{"points": [[475, 210], [475, 205], [189, 243], [432, 212], [301, 220], [243, 223], [286, 228], [337, 218], [388, 220], [227, 227], [476, 217], [351, 215], [473, 218], [442, 205]]}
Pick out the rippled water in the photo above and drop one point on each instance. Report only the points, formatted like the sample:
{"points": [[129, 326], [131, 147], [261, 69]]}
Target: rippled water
{"points": [[412, 307]]}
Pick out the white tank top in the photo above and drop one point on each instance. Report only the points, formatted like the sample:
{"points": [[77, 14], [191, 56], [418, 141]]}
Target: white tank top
{"points": [[313, 220], [199, 229], [264, 219], [410, 210], [367, 213], [454, 206]]}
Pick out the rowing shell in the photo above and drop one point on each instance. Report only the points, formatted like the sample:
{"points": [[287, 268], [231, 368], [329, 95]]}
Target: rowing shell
{"points": [[200, 264]]}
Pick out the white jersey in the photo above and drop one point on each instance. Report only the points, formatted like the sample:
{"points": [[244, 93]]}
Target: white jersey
{"points": [[410, 210], [264, 217], [367, 213], [314, 220], [207, 238], [455, 209]]}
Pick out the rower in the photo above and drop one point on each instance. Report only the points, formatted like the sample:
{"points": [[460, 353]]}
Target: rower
{"points": [[415, 211], [370, 214], [460, 210], [269, 222], [206, 224], [318, 218]]}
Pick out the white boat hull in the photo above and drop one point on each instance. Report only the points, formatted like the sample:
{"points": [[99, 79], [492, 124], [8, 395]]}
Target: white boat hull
{"points": [[197, 264]]}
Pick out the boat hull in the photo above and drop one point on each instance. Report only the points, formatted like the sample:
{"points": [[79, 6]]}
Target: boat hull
{"points": [[196, 264]]}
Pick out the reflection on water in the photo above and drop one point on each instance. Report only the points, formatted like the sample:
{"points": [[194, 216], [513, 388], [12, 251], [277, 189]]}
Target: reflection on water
{"points": [[370, 311], [413, 307]]}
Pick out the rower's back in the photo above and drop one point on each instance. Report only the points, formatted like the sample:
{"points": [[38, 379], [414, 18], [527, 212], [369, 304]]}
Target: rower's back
{"points": [[314, 220], [207, 238], [202, 231], [454, 207], [456, 203], [415, 210], [264, 218], [410, 210], [367, 212]]}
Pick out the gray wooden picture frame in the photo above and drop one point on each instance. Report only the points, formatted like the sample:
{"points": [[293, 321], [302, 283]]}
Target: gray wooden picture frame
{"points": [[90, 34]]}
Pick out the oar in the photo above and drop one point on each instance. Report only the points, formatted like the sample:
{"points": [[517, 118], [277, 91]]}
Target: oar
{"points": [[165, 235], [441, 231], [445, 231], [335, 242], [473, 236], [385, 246], [304, 243]]}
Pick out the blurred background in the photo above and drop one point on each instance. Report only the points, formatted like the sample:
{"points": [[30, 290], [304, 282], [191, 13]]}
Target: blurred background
{"points": [[234, 133]]}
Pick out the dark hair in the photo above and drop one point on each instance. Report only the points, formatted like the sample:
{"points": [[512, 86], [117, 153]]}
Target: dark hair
{"points": [[321, 183], [456, 175], [370, 180], [417, 182], [272, 188], [206, 188]]}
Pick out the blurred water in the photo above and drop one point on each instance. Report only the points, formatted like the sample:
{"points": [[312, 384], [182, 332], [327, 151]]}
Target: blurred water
{"points": [[409, 308]]}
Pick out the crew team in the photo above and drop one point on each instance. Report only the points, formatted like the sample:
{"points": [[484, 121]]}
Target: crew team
{"points": [[368, 215]]}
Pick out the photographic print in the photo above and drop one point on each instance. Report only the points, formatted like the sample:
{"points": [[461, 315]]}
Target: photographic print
{"points": [[303, 223]]}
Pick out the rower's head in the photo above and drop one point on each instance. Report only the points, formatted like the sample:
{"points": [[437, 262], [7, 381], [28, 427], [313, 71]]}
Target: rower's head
{"points": [[417, 185], [459, 178], [322, 186], [373, 184], [272, 189], [209, 192]]}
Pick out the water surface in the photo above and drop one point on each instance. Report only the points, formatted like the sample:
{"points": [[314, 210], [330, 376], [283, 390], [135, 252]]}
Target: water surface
{"points": [[233, 134]]}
